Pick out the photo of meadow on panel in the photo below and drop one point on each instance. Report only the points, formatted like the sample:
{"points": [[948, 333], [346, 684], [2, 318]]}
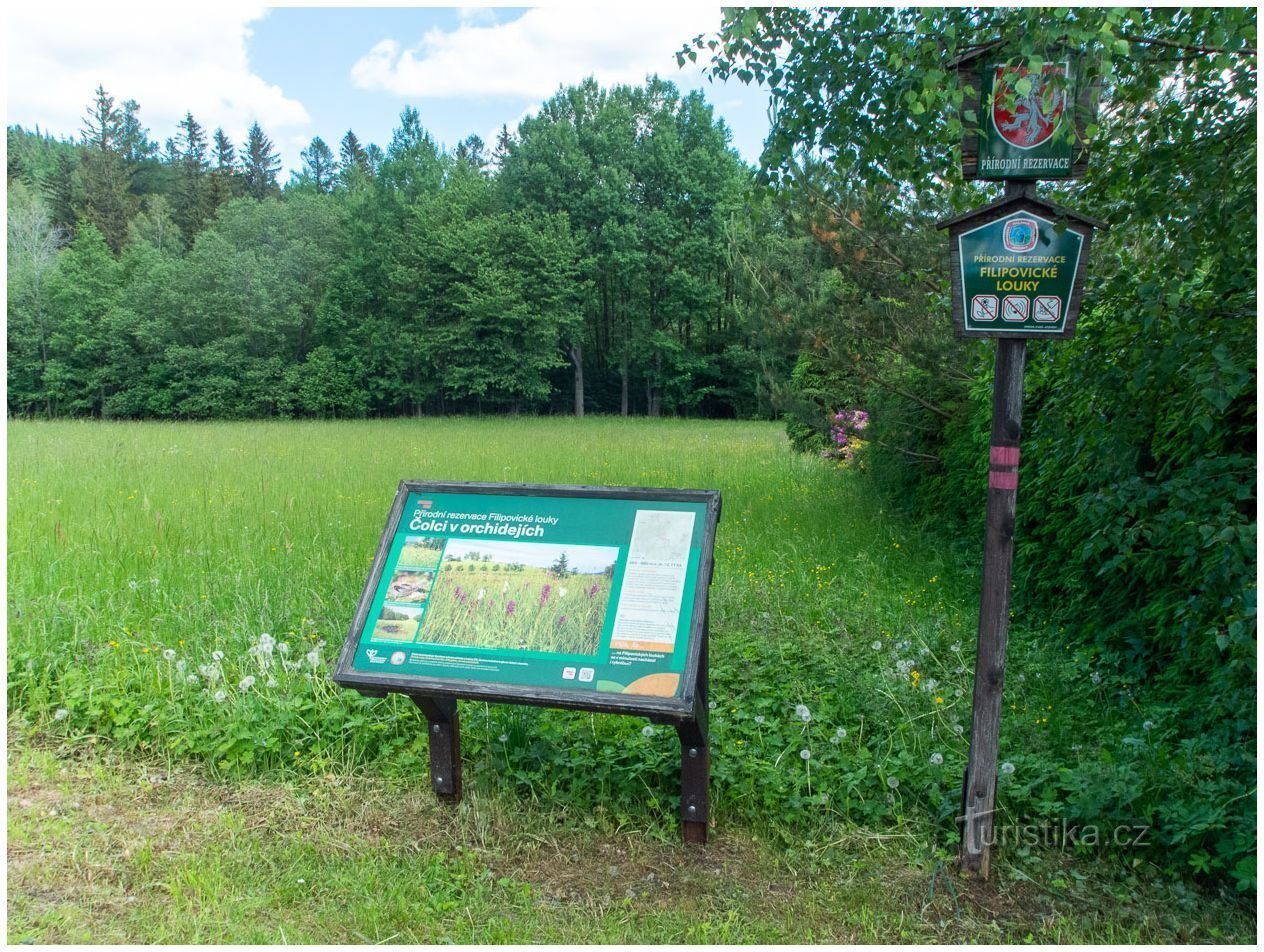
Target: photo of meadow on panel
{"points": [[396, 623], [522, 596], [420, 552]]}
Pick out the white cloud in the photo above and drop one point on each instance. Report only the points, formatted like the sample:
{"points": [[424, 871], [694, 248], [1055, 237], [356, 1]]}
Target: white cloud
{"points": [[171, 59], [476, 15], [535, 53]]}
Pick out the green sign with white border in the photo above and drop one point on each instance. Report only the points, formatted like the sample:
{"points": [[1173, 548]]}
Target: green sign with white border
{"points": [[1017, 274], [565, 593]]}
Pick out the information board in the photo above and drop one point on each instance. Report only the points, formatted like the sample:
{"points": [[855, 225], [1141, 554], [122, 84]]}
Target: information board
{"points": [[574, 596]]}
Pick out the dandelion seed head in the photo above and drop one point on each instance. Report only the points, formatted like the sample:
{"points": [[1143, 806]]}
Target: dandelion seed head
{"points": [[181, 665], [648, 730], [220, 697], [877, 645], [1007, 768], [217, 656], [759, 718], [313, 657], [1148, 726], [246, 683], [504, 738], [60, 714], [805, 754], [169, 654], [893, 782], [1095, 678], [192, 679], [283, 647], [937, 758], [802, 713]]}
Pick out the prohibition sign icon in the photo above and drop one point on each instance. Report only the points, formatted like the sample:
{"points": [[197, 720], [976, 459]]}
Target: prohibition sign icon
{"points": [[1015, 308], [1047, 308], [983, 307]]}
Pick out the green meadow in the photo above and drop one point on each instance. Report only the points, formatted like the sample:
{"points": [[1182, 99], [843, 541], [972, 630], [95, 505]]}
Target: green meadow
{"points": [[177, 594]]}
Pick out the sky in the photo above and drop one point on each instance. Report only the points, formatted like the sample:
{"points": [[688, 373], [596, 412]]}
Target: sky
{"points": [[321, 70]]}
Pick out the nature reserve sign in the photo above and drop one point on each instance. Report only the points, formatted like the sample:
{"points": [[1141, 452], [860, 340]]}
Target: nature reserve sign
{"points": [[1026, 132], [1023, 120], [1017, 268], [567, 596]]}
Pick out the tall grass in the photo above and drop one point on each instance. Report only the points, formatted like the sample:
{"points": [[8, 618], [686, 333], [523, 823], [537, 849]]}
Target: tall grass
{"points": [[841, 639]]}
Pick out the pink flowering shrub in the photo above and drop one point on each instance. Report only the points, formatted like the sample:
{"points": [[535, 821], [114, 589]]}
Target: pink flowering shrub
{"points": [[845, 429]]}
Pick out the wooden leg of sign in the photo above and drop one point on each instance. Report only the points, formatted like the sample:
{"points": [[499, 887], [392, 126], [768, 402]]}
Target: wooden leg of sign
{"points": [[978, 799], [443, 728], [695, 762]]}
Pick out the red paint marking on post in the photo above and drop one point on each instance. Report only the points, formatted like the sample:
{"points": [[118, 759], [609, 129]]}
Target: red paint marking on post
{"points": [[1004, 455], [1002, 480]]}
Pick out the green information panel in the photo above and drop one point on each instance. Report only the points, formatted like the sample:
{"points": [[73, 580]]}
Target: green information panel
{"points": [[1017, 274], [584, 596], [1026, 129]]}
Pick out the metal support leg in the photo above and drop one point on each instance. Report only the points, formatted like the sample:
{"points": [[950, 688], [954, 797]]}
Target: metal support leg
{"points": [[695, 779], [443, 728], [695, 762]]}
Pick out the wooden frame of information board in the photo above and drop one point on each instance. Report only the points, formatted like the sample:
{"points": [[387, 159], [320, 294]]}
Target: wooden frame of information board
{"points": [[437, 694]]}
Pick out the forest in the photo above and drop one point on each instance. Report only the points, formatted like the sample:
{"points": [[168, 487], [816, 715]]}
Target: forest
{"points": [[585, 263], [612, 255]]}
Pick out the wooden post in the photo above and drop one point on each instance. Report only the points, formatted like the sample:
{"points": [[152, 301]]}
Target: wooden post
{"points": [[978, 799], [443, 728]]}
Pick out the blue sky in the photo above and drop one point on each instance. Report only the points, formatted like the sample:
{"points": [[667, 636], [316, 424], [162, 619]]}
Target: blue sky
{"points": [[310, 71]]}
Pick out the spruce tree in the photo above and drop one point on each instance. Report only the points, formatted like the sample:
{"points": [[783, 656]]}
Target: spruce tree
{"points": [[191, 206], [107, 202], [260, 164]]}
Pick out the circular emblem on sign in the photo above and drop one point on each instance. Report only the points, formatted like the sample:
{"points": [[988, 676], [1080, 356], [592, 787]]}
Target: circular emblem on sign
{"points": [[1026, 108], [397, 657], [1021, 234]]}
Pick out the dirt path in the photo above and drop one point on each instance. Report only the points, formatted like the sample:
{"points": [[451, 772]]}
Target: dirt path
{"points": [[109, 849]]}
